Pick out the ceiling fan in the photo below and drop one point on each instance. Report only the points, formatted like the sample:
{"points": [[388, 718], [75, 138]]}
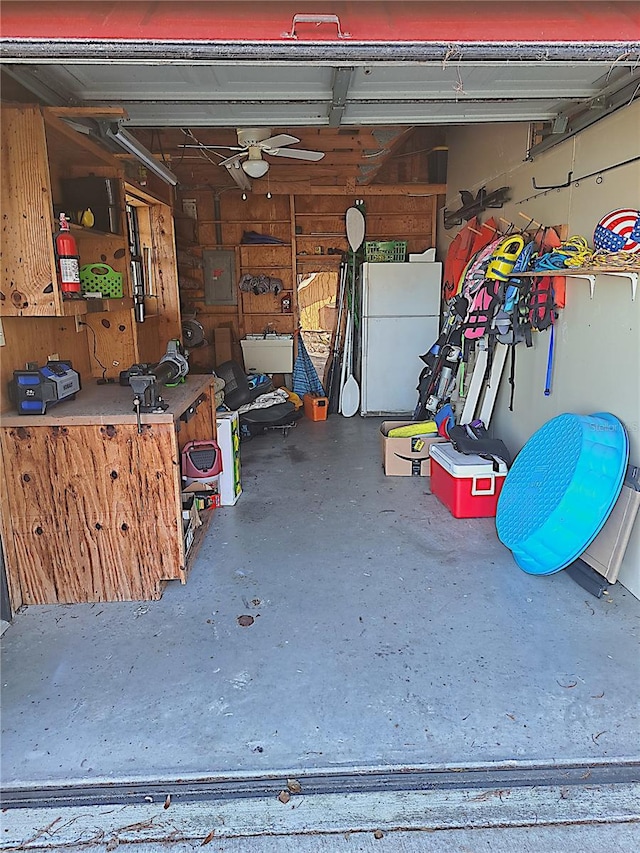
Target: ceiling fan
{"points": [[253, 142]]}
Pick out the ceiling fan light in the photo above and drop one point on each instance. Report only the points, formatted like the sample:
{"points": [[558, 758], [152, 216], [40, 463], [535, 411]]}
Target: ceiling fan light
{"points": [[255, 168]]}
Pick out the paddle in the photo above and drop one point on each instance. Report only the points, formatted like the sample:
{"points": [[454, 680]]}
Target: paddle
{"points": [[350, 396]]}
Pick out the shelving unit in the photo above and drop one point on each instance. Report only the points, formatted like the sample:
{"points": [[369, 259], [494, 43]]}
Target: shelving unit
{"points": [[590, 273], [305, 223], [91, 507]]}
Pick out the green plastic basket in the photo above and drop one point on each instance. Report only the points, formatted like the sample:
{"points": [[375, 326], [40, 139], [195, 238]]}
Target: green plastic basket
{"points": [[101, 278], [385, 251]]}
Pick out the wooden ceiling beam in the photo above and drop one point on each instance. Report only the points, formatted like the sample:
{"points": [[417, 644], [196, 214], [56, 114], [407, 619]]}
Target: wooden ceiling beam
{"points": [[357, 190], [89, 112]]}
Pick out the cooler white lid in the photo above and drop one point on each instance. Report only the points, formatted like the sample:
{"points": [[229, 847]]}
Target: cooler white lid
{"points": [[464, 464]]}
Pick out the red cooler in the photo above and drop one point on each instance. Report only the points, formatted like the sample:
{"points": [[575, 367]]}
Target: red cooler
{"points": [[467, 485]]}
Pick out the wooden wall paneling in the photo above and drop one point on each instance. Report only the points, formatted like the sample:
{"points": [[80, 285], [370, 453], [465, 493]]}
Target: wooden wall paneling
{"points": [[34, 339], [232, 234], [264, 303], [256, 323], [323, 205], [151, 344], [115, 345], [165, 279], [29, 283], [263, 257]]}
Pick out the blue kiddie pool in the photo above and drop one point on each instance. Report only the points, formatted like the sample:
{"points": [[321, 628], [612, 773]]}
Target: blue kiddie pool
{"points": [[561, 489]]}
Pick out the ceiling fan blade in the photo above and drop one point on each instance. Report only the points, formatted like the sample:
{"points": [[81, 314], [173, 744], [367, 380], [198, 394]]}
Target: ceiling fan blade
{"points": [[212, 147], [296, 153], [278, 141], [233, 160]]}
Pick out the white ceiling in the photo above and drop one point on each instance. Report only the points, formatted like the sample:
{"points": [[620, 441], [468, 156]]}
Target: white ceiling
{"points": [[177, 93]]}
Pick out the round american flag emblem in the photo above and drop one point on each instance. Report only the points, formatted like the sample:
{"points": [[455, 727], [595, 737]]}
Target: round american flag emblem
{"points": [[618, 231]]}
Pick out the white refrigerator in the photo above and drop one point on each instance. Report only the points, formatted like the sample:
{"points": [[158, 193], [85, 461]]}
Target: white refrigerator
{"points": [[400, 322]]}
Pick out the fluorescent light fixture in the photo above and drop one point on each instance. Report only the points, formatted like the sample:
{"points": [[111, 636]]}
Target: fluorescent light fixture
{"points": [[131, 145], [237, 174], [255, 168]]}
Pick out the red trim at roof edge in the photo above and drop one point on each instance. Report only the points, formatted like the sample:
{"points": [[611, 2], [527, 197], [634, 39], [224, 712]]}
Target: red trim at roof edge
{"points": [[245, 20]]}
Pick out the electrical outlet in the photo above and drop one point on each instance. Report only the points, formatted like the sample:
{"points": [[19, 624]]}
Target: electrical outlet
{"points": [[53, 357], [2, 340], [79, 322]]}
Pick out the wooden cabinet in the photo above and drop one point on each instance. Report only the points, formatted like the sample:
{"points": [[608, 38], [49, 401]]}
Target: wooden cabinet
{"points": [[91, 507], [39, 151]]}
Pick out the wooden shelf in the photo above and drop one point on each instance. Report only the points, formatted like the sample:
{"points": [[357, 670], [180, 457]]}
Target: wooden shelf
{"points": [[80, 229], [73, 307], [316, 258], [242, 221], [96, 306], [269, 313], [577, 271], [265, 245], [248, 267]]}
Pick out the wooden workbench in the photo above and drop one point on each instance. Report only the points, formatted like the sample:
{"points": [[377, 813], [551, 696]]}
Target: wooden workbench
{"points": [[91, 508]]}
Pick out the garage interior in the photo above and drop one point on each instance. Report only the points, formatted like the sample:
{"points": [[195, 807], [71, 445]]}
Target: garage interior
{"points": [[385, 635]]}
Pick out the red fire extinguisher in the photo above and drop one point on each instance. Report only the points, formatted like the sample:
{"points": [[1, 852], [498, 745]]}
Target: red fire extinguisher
{"points": [[68, 259]]}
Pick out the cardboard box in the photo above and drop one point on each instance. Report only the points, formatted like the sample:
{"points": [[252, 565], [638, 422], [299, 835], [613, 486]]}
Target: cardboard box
{"points": [[406, 457]]}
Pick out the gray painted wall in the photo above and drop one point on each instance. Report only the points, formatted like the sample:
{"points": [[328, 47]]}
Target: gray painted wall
{"points": [[597, 358]]}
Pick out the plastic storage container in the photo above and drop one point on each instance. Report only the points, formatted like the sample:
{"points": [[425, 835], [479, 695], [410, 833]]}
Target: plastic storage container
{"points": [[315, 408], [385, 251], [201, 464], [467, 485]]}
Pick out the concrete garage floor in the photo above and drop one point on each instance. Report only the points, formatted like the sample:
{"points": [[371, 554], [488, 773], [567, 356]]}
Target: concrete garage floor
{"points": [[385, 634]]}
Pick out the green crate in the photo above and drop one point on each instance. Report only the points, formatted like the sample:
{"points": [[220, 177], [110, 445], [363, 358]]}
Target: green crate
{"points": [[385, 251], [101, 278]]}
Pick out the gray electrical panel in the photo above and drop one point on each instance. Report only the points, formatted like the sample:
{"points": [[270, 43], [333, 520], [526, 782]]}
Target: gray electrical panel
{"points": [[220, 286]]}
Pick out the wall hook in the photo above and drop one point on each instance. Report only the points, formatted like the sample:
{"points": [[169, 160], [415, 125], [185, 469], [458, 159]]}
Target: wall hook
{"points": [[555, 186]]}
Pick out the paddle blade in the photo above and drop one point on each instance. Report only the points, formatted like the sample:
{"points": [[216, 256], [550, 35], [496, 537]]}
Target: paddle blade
{"points": [[350, 397], [354, 221]]}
